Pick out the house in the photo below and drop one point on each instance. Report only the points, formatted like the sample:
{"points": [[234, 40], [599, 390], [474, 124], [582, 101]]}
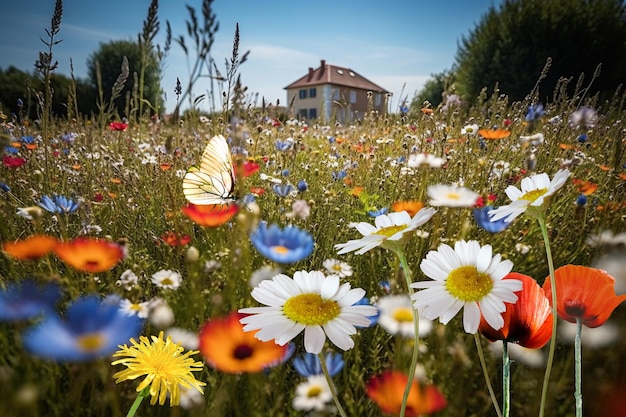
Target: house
{"points": [[338, 93]]}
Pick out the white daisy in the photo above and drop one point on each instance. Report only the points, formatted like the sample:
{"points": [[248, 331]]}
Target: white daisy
{"points": [[335, 267], [533, 198], [140, 310], [314, 394], [388, 232], [425, 160], [465, 277], [312, 302], [166, 278], [186, 338], [396, 316], [451, 196]]}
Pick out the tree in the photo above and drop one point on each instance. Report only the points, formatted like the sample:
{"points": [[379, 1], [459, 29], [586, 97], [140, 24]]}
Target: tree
{"points": [[511, 46], [109, 58]]}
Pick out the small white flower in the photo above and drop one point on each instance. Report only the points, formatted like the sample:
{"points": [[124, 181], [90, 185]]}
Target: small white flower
{"points": [[190, 398], [161, 315], [534, 140], [187, 339], [425, 160], [451, 196], [301, 210], [530, 357], [396, 316], [534, 195], [335, 267], [263, 273], [467, 277], [314, 394], [140, 310], [521, 248], [167, 279], [388, 231], [128, 280]]}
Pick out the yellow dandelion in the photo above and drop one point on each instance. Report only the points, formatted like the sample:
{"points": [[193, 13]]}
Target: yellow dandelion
{"points": [[164, 365]]}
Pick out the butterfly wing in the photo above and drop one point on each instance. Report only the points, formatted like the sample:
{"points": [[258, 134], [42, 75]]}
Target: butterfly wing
{"points": [[213, 181]]}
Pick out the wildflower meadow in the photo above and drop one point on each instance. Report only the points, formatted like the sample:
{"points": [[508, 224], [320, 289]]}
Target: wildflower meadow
{"points": [[453, 261]]}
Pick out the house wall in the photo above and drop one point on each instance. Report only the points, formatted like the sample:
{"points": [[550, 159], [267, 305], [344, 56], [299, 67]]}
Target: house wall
{"points": [[332, 102]]}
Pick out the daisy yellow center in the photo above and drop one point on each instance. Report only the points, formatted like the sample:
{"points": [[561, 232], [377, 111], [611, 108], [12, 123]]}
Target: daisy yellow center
{"points": [[390, 230], [167, 281], [403, 314], [453, 196], [533, 195], [135, 307], [280, 249], [311, 309], [467, 284], [337, 268], [314, 392], [90, 342]]}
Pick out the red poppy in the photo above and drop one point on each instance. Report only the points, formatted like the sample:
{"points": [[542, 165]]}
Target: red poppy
{"points": [[89, 255], [11, 161], [411, 207], [247, 168], [118, 126], [585, 187], [211, 215], [31, 248], [583, 293], [387, 389], [258, 191], [528, 322], [174, 239], [494, 134], [227, 348]]}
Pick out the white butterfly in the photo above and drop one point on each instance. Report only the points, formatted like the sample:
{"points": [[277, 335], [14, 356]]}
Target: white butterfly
{"points": [[213, 182]]}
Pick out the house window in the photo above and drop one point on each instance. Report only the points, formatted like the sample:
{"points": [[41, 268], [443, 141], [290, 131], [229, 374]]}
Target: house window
{"points": [[312, 92], [302, 113], [312, 113], [352, 97], [377, 99], [302, 93], [336, 94]]}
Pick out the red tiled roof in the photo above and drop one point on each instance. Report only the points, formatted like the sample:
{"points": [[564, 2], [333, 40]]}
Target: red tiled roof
{"points": [[332, 74]]}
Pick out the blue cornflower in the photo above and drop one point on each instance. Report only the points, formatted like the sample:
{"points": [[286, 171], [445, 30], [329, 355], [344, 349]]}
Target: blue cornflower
{"points": [[285, 145], [58, 204], [581, 200], [285, 246], [582, 138], [11, 150], [27, 140], [285, 173], [376, 213], [282, 190], [481, 217], [91, 329], [340, 175], [535, 112], [404, 109], [309, 364], [26, 299], [331, 140], [4, 187], [302, 186]]}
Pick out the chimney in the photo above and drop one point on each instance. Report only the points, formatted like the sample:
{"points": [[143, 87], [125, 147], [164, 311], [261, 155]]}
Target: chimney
{"points": [[322, 67], [310, 74]]}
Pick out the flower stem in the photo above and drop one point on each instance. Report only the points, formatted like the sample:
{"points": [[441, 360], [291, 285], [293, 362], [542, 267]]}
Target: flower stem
{"points": [[133, 408], [546, 378], [486, 373], [578, 394], [416, 324], [506, 379], [331, 385]]}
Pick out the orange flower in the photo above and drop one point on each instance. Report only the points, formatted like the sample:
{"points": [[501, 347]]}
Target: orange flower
{"points": [[426, 110], [211, 215], [31, 248], [528, 322], [356, 191], [173, 239], [604, 167], [258, 191], [493, 134], [116, 180], [585, 187], [31, 146], [165, 166], [411, 207], [583, 293], [566, 146], [227, 348], [89, 255], [387, 389], [246, 169]]}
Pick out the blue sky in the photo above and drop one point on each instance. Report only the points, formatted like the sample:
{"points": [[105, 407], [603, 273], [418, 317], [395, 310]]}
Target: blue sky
{"points": [[395, 44]]}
